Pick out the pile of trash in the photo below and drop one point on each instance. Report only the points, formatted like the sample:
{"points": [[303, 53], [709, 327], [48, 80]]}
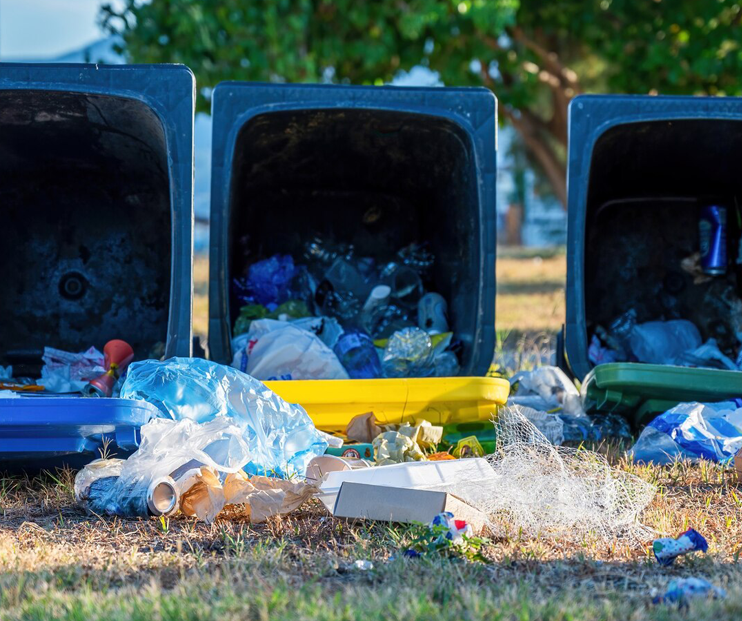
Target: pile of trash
{"points": [[674, 342], [342, 316]]}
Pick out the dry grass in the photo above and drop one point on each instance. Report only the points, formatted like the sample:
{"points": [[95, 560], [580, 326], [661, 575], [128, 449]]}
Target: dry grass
{"points": [[530, 291], [58, 562]]}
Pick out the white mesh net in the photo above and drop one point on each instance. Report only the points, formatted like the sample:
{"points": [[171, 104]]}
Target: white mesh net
{"points": [[542, 490]]}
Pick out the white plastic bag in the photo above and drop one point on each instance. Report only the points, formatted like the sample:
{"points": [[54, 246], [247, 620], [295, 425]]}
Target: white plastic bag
{"points": [[280, 350], [546, 388], [662, 342]]}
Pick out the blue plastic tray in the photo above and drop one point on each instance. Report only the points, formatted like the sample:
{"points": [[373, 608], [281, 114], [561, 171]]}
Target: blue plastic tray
{"points": [[39, 433]]}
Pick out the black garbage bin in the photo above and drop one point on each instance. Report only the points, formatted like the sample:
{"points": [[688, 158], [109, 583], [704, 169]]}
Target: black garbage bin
{"points": [[641, 170], [376, 167], [97, 216]]}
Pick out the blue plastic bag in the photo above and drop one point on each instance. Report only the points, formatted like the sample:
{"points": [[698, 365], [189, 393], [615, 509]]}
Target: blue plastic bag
{"points": [[281, 437], [269, 281], [692, 431]]}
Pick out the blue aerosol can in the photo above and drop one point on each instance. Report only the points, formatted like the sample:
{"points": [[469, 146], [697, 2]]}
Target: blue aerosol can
{"points": [[712, 237]]}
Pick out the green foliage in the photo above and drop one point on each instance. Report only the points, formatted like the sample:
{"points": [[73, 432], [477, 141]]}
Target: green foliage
{"points": [[535, 54]]}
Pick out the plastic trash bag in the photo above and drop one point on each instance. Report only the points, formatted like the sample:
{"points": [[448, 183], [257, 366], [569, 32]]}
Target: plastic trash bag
{"points": [[269, 281], [662, 342], [278, 350], [707, 355], [280, 436], [692, 431]]}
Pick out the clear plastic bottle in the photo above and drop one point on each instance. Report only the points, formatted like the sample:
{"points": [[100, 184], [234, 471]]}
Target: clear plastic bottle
{"points": [[357, 353], [409, 353]]}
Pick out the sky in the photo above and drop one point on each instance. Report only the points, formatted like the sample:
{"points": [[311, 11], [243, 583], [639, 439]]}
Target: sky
{"points": [[46, 28]]}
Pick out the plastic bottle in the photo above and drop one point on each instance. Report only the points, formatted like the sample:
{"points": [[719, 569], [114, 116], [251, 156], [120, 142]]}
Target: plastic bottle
{"points": [[432, 313], [357, 353], [409, 353]]}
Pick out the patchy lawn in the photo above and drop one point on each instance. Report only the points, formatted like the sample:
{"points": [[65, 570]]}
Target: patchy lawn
{"points": [[57, 562]]}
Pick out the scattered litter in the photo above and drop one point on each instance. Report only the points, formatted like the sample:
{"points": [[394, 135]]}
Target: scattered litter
{"points": [[393, 447], [402, 505], [65, 372], [403, 443], [363, 428], [466, 448], [281, 437], [117, 356], [544, 389], [667, 549], [194, 467], [363, 565], [692, 431], [682, 590], [449, 536]]}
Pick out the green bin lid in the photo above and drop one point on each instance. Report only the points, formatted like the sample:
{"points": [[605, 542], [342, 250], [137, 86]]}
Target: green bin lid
{"points": [[645, 390]]}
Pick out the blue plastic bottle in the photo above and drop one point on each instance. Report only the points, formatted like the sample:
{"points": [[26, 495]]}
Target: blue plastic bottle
{"points": [[357, 353]]}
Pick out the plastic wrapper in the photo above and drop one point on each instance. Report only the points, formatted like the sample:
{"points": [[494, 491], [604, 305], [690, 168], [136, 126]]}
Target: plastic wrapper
{"points": [[65, 371], [409, 353], [281, 437], [692, 431], [278, 350], [682, 590]]}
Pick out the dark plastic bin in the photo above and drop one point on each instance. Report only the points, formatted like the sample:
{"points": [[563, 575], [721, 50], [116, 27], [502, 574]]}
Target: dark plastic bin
{"points": [[639, 167], [379, 167], [96, 239], [39, 433]]}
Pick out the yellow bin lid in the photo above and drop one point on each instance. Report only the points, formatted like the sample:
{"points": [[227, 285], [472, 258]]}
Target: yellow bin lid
{"points": [[440, 400]]}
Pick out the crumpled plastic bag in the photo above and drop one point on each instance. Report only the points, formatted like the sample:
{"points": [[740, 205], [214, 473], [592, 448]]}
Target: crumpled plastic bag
{"points": [[662, 342], [546, 388], [692, 431], [65, 371], [269, 281], [278, 350], [280, 436], [203, 463]]}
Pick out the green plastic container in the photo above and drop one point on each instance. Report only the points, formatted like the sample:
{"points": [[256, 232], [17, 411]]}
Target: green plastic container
{"points": [[642, 391]]}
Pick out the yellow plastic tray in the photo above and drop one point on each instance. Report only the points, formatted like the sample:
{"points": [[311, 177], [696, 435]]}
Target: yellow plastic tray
{"points": [[441, 400]]}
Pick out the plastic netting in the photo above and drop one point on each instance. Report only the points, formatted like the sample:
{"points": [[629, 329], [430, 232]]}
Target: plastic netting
{"points": [[539, 489]]}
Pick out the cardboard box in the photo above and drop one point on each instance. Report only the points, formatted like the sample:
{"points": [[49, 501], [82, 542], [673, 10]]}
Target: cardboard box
{"points": [[398, 504]]}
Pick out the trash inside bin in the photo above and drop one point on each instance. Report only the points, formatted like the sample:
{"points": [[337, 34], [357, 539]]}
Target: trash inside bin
{"points": [[96, 242], [356, 201], [655, 225]]}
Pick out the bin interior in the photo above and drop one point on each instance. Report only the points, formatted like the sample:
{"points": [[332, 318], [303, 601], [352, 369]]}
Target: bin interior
{"points": [[85, 242], [647, 183], [377, 179]]}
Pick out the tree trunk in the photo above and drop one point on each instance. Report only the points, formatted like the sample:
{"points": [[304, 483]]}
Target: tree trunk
{"points": [[541, 150]]}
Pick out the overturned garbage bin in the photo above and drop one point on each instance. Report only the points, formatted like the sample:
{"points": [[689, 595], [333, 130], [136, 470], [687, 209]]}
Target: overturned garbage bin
{"points": [[374, 169], [95, 243], [97, 209], [654, 276]]}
